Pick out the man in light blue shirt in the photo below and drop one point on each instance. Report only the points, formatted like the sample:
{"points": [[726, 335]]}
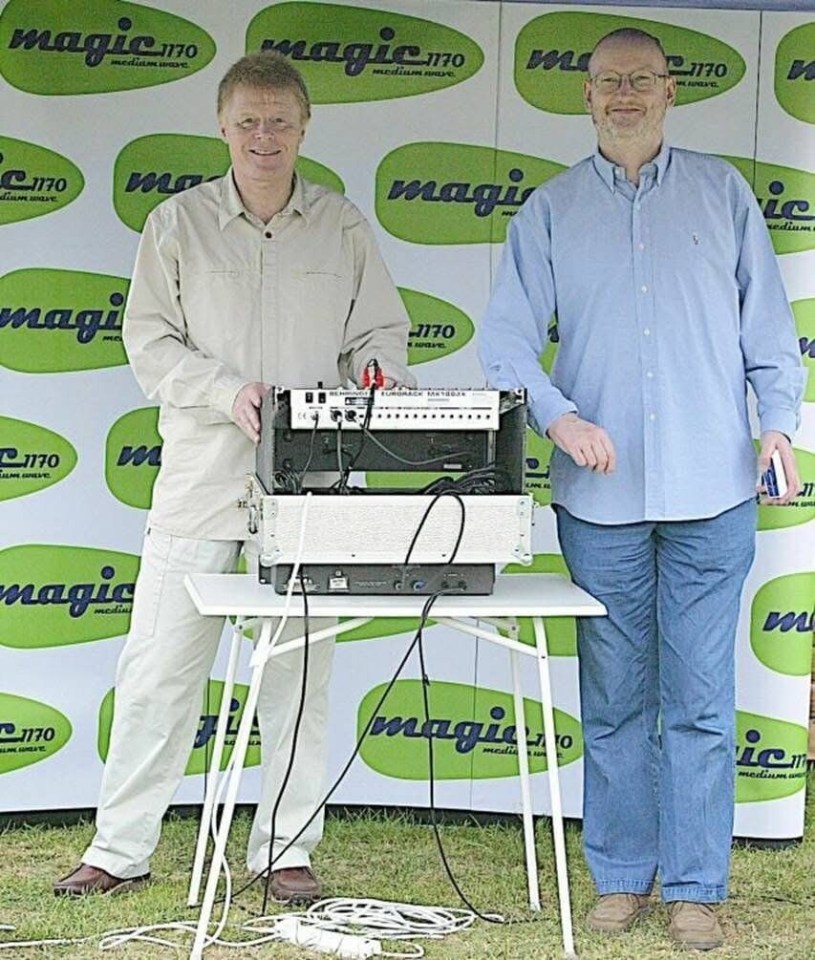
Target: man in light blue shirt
{"points": [[668, 300]]}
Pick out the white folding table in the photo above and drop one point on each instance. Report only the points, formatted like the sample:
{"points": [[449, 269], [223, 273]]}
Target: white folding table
{"points": [[516, 595]]}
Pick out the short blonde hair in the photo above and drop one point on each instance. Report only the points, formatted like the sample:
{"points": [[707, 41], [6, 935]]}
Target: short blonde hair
{"points": [[264, 70]]}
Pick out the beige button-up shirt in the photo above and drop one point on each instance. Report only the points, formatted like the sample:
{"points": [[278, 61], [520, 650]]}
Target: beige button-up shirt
{"points": [[219, 299]]}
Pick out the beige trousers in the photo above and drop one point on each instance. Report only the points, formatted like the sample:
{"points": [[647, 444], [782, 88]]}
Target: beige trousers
{"points": [[159, 686]]}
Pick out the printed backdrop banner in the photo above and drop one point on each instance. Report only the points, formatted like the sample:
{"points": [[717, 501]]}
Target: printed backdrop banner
{"points": [[437, 119]]}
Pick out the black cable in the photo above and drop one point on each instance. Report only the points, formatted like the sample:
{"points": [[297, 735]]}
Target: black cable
{"points": [[424, 616], [423, 620], [412, 463], [294, 738], [302, 475], [366, 422], [432, 792]]}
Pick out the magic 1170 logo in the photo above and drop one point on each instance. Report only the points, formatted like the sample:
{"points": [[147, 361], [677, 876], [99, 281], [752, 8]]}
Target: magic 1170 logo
{"points": [[441, 193], [30, 731], [54, 595], [55, 48], [34, 181], [350, 54], [552, 57], [472, 729], [53, 321]]}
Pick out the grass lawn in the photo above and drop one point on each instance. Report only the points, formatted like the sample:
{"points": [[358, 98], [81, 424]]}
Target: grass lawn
{"points": [[770, 914]]}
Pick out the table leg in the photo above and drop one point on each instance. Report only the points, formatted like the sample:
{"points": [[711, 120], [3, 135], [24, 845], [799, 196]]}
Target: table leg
{"points": [[554, 787], [526, 797], [215, 763], [238, 757]]}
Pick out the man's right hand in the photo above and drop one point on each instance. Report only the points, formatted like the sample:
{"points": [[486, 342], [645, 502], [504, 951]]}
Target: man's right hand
{"points": [[246, 409], [586, 443]]}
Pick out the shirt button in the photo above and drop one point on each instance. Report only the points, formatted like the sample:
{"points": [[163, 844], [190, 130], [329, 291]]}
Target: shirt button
{"points": [[643, 289], [268, 234], [640, 246], [650, 375], [652, 416], [646, 332]]}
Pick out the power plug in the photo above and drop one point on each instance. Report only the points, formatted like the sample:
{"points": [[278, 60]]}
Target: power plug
{"points": [[346, 945]]}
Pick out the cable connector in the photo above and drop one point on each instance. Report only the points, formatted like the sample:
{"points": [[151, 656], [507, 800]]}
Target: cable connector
{"points": [[347, 945]]}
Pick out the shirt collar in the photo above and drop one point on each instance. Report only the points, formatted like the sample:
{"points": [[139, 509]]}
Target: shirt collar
{"points": [[607, 169], [231, 205]]}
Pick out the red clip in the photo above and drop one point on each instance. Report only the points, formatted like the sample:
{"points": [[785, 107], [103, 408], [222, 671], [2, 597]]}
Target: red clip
{"points": [[372, 375]]}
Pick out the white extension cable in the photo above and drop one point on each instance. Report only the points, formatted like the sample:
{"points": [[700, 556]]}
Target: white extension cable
{"points": [[344, 928]]}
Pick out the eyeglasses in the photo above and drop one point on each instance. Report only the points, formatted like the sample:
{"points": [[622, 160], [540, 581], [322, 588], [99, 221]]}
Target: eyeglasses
{"points": [[609, 81]]}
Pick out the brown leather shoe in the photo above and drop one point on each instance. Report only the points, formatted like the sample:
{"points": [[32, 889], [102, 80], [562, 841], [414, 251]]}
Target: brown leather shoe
{"points": [[295, 885], [694, 925], [617, 912], [87, 879]]}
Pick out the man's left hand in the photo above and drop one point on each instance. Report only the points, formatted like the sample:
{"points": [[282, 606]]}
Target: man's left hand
{"points": [[772, 440]]}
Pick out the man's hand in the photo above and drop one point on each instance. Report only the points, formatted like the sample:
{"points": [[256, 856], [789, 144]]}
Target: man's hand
{"points": [[246, 409], [772, 440], [586, 443]]}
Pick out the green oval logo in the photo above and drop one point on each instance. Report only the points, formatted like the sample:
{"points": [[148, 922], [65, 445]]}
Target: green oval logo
{"points": [[782, 620], [54, 48], [202, 746], [771, 758], [133, 457], [552, 59], [437, 328], [787, 200], [30, 731], [351, 54], [54, 596], [802, 508], [471, 728], [561, 632], [804, 313], [31, 458], [455, 192], [34, 181], [54, 321], [795, 71], [152, 168]]}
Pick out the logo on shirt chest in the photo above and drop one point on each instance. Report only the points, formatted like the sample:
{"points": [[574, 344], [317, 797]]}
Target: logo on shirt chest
{"points": [[53, 47], [52, 321], [152, 168], [552, 48], [439, 193], [34, 181], [350, 54], [795, 71]]}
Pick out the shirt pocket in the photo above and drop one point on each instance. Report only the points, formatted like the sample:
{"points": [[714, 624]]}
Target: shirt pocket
{"points": [[220, 307]]}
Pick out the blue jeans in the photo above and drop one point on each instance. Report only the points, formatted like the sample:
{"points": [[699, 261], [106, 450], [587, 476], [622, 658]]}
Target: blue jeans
{"points": [[657, 689]]}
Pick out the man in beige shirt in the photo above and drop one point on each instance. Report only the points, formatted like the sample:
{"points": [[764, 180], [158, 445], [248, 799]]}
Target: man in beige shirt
{"points": [[254, 279]]}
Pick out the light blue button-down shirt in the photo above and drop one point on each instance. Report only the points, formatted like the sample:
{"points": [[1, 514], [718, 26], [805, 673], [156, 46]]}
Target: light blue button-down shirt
{"points": [[669, 301]]}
